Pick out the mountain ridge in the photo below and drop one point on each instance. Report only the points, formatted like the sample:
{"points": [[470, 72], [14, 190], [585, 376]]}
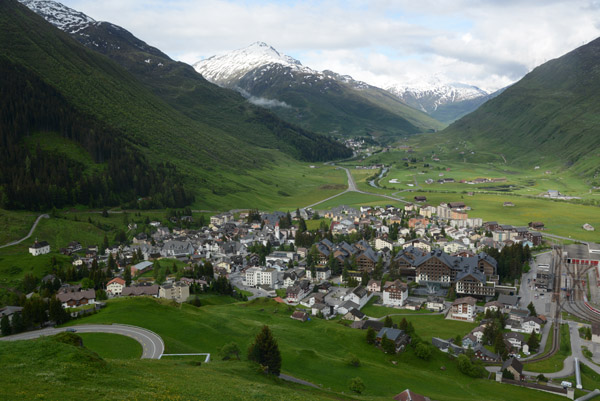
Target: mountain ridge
{"points": [[323, 101], [549, 117]]}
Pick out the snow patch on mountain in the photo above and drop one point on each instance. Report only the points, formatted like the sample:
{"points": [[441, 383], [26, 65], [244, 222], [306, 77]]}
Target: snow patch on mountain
{"points": [[59, 15], [234, 65], [428, 95]]}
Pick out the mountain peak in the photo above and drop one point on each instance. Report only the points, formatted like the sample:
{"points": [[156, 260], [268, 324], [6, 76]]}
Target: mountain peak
{"points": [[235, 64], [64, 18]]}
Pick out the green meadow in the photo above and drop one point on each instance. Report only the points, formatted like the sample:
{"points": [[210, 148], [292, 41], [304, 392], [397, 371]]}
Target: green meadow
{"points": [[112, 346], [317, 350]]}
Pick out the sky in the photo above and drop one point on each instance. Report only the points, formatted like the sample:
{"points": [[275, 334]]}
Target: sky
{"points": [[489, 44]]}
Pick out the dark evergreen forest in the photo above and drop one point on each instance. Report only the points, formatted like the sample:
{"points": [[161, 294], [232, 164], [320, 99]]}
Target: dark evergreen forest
{"points": [[34, 179]]}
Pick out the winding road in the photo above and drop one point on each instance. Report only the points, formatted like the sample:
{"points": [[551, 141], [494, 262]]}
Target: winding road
{"points": [[152, 345], [41, 216], [352, 188]]}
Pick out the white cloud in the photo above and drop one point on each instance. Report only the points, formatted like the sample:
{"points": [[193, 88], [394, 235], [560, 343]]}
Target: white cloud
{"points": [[486, 43]]}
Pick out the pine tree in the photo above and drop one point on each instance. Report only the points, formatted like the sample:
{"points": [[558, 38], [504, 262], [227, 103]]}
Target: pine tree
{"points": [[265, 351], [5, 326], [127, 276], [533, 342], [388, 322], [371, 335], [56, 312], [531, 307]]}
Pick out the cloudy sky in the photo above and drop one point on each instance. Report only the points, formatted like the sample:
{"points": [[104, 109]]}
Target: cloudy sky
{"points": [[485, 43]]}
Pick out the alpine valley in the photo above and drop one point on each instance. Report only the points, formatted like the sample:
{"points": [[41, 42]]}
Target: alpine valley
{"points": [[251, 228]]}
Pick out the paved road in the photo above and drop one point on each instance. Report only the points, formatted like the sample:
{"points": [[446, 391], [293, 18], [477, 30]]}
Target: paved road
{"points": [[563, 238], [41, 216], [152, 345], [295, 380], [352, 188]]}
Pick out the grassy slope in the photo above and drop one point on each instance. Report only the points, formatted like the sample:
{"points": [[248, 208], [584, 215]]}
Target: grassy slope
{"points": [[45, 369], [556, 362], [225, 170], [549, 116], [112, 346], [315, 350]]}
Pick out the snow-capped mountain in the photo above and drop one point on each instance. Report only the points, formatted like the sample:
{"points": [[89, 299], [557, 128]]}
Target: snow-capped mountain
{"points": [[59, 15], [429, 95], [232, 66], [323, 101]]}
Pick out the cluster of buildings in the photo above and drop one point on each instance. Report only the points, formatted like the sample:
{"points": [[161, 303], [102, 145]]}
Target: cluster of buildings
{"points": [[73, 296]]}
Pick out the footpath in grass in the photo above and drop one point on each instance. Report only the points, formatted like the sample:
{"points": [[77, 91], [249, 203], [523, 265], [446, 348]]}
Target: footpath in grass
{"points": [[112, 346], [316, 351], [556, 362]]}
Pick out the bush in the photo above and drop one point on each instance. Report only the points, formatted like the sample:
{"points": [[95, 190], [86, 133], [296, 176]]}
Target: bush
{"points": [[423, 351], [230, 351], [357, 385], [469, 368], [353, 361], [542, 378]]}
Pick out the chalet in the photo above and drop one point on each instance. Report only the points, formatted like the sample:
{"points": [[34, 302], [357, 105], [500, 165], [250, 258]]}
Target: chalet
{"points": [[435, 304], [365, 324], [514, 366], [354, 315], [463, 309], [514, 341], [420, 199], [399, 337], [367, 260], [298, 291], [492, 306], [536, 225], [78, 298], [359, 296], [374, 285], [115, 286], [394, 293], [484, 354], [141, 290], [39, 248]]}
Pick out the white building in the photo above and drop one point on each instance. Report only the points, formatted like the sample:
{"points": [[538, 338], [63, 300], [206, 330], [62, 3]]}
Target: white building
{"points": [[178, 291], [395, 293], [463, 309], [115, 286], [381, 243], [39, 248], [256, 277]]}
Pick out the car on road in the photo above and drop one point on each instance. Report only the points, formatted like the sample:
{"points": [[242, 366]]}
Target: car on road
{"points": [[71, 330]]}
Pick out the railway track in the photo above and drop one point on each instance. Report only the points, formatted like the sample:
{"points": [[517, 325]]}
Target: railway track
{"points": [[557, 313], [577, 303]]}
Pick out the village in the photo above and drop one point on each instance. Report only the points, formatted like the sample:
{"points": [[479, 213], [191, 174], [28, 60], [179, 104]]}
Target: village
{"points": [[415, 259]]}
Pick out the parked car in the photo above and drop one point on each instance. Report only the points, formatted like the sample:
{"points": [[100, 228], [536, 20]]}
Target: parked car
{"points": [[71, 330]]}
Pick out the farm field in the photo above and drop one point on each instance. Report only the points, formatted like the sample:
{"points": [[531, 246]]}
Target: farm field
{"points": [[356, 199], [321, 358]]}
